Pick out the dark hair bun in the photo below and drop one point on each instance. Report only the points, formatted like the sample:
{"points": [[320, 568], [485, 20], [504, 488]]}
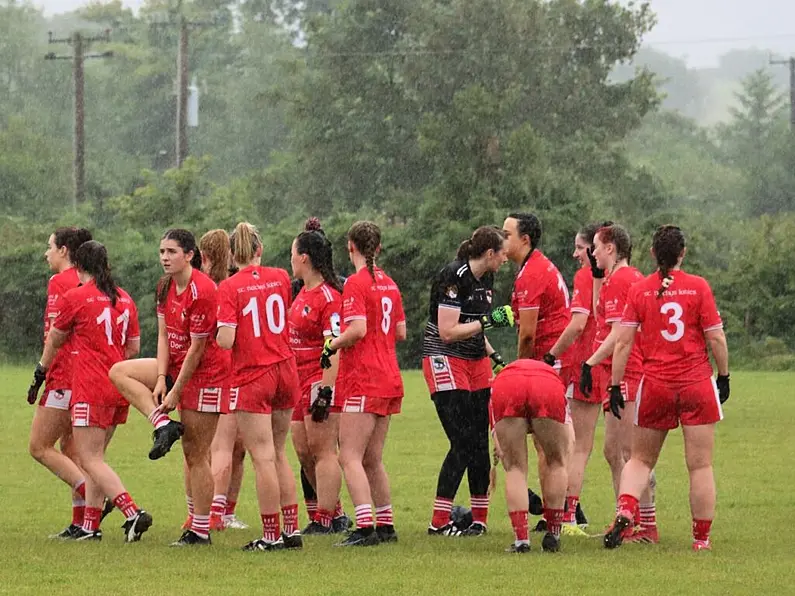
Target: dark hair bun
{"points": [[313, 225]]}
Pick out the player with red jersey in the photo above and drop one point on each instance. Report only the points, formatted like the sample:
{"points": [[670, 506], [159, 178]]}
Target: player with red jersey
{"points": [[252, 322], [612, 251], [102, 322], [529, 396], [227, 451], [369, 388], [190, 372], [676, 316], [51, 419], [579, 335], [540, 298], [314, 316]]}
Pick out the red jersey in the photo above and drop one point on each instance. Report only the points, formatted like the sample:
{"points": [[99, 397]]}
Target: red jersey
{"points": [[254, 301], [59, 375], [609, 310], [672, 327], [369, 368], [99, 332], [314, 315], [540, 286], [582, 303], [192, 314]]}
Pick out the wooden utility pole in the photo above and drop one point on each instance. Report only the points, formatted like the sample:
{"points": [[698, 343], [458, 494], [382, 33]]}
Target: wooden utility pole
{"points": [[79, 56], [182, 93], [791, 62]]}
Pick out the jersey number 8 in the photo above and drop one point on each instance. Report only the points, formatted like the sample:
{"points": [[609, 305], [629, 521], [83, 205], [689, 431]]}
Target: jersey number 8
{"points": [[386, 311]]}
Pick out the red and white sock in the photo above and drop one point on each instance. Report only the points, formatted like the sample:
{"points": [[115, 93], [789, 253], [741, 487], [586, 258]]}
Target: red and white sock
{"points": [[648, 516], [230, 507], [384, 516], [78, 503], [627, 506], [480, 508], [189, 502], [323, 517], [126, 505], [311, 507], [338, 510], [701, 529], [270, 527], [91, 519], [200, 525], [554, 518], [364, 515], [570, 516], [158, 419], [441, 512], [519, 523], [290, 516], [218, 506]]}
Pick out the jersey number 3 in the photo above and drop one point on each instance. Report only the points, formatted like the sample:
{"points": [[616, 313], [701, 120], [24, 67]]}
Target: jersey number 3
{"points": [[674, 312]]}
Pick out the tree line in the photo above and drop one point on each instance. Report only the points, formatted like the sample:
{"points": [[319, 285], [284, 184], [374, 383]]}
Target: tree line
{"points": [[430, 117]]}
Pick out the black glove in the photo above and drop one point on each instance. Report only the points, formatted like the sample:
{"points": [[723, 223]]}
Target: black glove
{"points": [[586, 380], [723, 388], [497, 363], [616, 400], [39, 376], [320, 409], [550, 359], [597, 273], [327, 353], [502, 316]]}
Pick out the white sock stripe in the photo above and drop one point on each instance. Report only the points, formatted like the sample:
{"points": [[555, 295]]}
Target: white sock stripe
{"points": [[384, 509]]}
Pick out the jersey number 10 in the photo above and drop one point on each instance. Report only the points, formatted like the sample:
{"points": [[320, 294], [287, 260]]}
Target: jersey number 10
{"points": [[274, 314]]}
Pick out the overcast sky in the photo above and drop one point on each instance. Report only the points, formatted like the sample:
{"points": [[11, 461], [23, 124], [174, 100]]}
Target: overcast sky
{"points": [[699, 30]]}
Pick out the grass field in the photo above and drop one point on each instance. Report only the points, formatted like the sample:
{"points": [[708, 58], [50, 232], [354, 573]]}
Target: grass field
{"points": [[752, 537]]}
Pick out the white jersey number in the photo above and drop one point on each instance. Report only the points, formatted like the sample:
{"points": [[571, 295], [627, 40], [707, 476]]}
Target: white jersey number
{"points": [[386, 311], [565, 289], [274, 313], [106, 319], [674, 312]]}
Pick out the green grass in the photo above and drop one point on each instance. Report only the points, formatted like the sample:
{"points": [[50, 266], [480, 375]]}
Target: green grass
{"points": [[752, 538]]}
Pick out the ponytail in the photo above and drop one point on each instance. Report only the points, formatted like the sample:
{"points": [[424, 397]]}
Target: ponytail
{"points": [[245, 241], [483, 239], [92, 258], [668, 245], [313, 242]]}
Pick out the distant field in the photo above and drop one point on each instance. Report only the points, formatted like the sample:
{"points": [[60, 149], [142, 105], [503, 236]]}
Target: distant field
{"points": [[752, 534]]}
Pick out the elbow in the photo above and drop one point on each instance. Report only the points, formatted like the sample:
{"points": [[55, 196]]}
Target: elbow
{"points": [[444, 334]]}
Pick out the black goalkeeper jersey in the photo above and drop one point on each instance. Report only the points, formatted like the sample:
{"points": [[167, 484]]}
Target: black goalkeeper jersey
{"points": [[456, 287]]}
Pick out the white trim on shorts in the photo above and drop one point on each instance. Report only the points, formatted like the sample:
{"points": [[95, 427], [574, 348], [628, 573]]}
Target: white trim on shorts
{"points": [[57, 399]]}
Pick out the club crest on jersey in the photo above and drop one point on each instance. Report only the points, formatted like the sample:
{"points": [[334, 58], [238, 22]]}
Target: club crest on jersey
{"points": [[488, 297], [438, 362], [255, 274], [451, 292], [335, 324], [306, 311]]}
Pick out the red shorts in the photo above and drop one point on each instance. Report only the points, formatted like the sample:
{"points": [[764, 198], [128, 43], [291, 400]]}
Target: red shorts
{"points": [[517, 395], [209, 400], [276, 389], [309, 391], [630, 387], [92, 415], [380, 406], [57, 399], [663, 406], [447, 373]]}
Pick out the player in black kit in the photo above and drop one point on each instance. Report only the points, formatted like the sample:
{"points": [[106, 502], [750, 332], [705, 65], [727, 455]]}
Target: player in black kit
{"points": [[457, 364]]}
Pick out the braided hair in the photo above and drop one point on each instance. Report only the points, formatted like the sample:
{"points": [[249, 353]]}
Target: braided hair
{"points": [[366, 237], [313, 242], [668, 245], [92, 258]]}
